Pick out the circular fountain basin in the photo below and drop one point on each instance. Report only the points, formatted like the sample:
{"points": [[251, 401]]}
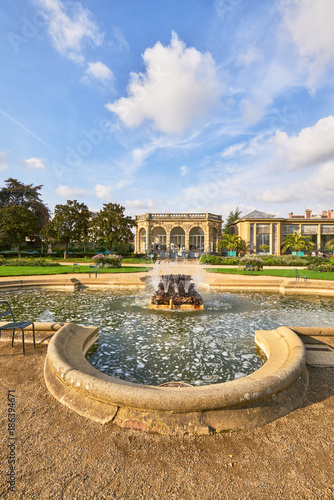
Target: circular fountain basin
{"points": [[270, 392]]}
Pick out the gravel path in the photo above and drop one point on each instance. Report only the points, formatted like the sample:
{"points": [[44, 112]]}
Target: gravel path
{"points": [[60, 455]]}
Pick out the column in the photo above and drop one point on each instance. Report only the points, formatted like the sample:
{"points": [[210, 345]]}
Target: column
{"points": [[318, 247], [168, 241], [206, 238], [186, 243]]}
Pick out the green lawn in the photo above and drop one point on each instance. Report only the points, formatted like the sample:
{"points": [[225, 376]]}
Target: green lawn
{"points": [[286, 273], [38, 271]]}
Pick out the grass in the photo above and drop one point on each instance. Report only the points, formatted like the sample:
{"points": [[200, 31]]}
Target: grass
{"points": [[39, 271], [284, 273]]}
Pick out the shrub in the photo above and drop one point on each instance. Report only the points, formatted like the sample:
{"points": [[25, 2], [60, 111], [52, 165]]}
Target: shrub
{"points": [[210, 259], [30, 263], [114, 261], [321, 267], [99, 258], [250, 260]]}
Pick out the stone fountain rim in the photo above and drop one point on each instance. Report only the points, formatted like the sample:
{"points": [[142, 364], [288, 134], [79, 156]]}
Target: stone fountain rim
{"points": [[66, 363]]}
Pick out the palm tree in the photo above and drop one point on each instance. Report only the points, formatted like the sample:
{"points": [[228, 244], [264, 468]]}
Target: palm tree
{"points": [[297, 241], [330, 245], [232, 242]]}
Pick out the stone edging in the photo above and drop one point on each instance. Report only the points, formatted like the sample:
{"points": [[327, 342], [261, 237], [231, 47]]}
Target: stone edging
{"points": [[270, 392]]}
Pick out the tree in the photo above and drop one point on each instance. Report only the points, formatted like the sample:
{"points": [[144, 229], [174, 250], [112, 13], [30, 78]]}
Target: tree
{"points": [[232, 242], [112, 225], [233, 216], [70, 223], [297, 241], [24, 195], [330, 244], [16, 224]]}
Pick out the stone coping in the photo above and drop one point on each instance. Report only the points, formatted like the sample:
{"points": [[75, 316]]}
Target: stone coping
{"points": [[214, 282], [268, 393]]}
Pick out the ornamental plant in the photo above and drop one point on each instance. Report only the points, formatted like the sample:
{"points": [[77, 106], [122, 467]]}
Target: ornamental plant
{"points": [[250, 260], [99, 258], [114, 261]]}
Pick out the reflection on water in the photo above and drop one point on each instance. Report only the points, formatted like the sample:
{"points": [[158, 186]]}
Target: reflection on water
{"points": [[152, 347]]}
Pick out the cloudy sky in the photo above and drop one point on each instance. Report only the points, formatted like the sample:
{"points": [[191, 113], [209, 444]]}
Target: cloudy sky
{"points": [[169, 105]]}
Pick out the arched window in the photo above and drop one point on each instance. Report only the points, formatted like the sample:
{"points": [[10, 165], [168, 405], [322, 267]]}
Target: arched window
{"points": [[196, 239]]}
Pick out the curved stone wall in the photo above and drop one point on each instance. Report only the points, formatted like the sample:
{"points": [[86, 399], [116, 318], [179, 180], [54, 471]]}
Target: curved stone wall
{"points": [[272, 391]]}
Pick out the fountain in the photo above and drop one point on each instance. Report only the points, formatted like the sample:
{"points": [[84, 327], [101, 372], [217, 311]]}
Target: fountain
{"points": [[176, 291]]}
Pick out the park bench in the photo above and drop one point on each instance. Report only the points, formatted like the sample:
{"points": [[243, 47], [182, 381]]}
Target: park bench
{"points": [[15, 324]]}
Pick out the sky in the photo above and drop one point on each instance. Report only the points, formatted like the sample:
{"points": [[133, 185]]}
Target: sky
{"points": [[169, 105]]}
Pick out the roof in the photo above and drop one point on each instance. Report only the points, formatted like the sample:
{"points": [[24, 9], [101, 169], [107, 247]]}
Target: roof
{"points": [[256, 214]]}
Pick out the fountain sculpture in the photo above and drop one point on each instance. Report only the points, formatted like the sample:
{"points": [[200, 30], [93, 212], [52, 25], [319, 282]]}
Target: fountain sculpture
{"points": [[176, 291]]}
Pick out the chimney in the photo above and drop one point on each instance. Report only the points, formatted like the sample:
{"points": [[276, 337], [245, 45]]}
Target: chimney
{"points": [[308, 214], [290, 215], [324, 213], [330, 214]]}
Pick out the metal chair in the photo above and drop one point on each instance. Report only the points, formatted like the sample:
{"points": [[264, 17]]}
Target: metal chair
{"points": [[15, 324], [76, 267], [299, 276]]}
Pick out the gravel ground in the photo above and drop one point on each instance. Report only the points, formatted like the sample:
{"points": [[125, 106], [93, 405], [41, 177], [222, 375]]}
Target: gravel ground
{"points": [[60, 455]]}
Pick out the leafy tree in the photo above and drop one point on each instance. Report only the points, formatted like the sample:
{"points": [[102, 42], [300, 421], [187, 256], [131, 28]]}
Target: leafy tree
{"points": [[233, 216], [297, 241], [330, 244], [111, 225], [70, 223], [232, 242], [24, 195], [16, 224]]}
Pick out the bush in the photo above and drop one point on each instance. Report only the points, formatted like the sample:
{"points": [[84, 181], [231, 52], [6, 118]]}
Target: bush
{"points": [[99, 258], [114, 261], [108, 260], [210, 259], [321, 267], [250, 260], [30, 263]]}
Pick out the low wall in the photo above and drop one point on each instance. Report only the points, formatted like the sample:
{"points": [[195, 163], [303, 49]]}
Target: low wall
{"points": [[270, 392]]}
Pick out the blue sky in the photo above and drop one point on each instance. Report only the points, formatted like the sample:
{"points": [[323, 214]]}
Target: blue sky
{"points": [[177, 106]]}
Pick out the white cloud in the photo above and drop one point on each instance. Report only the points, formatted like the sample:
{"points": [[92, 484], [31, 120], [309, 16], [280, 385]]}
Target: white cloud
{"points": [[184, 170], [233, 149], [98, 71], [179, 87], [70, 26], [34, 163], [3, 161], [317, 188], [103, 192], [139, 204], [70, 192], [249, 57], [310, 25], [254, 108], [313, 145]]}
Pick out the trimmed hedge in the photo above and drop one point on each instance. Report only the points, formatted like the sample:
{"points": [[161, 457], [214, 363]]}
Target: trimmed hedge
{"points": [[268, 260], [28, 263]]}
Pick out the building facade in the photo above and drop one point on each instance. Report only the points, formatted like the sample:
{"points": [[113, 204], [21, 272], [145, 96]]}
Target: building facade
{"points": [[258, 228], [177, 234]]}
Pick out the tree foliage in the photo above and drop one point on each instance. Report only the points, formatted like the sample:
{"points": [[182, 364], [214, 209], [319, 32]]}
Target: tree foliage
{"points": [[232, 242], [232, 217], [297, 241], [330, 244], [15, 193], [70, 223], [16, 224], [112, 225]]}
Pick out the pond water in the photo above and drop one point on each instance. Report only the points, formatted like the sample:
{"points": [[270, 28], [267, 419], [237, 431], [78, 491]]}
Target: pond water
{"points": [[141, 345]]}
